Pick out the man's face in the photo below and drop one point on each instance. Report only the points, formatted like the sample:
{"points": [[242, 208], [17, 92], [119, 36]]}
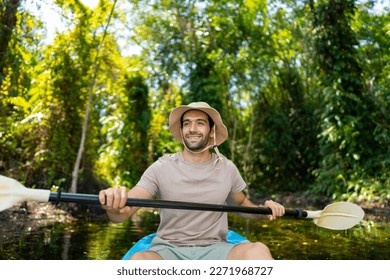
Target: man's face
{"points": [[196, 130]]}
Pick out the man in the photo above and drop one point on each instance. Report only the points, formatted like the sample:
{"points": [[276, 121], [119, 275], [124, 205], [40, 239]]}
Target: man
{"points": [[193, 175]]}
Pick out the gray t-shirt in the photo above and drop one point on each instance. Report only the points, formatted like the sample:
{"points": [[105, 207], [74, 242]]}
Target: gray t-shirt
{"points": [[173, 178]]}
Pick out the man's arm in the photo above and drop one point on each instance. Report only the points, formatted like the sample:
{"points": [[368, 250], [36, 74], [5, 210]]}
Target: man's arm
{"points": [[239, 199], [114, 201]]}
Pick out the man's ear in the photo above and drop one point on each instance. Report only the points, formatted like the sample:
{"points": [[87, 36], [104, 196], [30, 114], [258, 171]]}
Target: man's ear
{"points": [[212, 132]]}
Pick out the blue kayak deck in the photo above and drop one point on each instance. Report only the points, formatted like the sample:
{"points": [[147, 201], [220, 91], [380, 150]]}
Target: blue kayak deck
{"points": [[144, 243]]}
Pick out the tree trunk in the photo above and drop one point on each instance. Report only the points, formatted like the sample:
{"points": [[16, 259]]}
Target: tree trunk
{"points": [[75, 173]]}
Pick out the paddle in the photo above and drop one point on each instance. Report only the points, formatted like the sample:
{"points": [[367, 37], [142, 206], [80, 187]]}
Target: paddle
{"points": [[336, 216]]}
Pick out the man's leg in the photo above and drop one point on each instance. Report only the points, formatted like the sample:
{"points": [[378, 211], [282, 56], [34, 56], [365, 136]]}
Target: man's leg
{"points": [[250, 251], [148, 255]]}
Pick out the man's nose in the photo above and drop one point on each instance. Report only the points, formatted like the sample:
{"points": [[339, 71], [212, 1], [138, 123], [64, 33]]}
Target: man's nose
{"points": [[193, 127]]}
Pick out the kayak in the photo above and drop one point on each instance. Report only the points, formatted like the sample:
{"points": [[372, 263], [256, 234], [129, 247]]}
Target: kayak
{"points": [[144, 243]]}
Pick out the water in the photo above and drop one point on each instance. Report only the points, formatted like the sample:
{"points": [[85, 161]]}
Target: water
{"points": [[94, 238], [303, 240]]}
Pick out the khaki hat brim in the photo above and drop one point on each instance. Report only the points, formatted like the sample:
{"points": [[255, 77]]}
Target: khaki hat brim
{"points": [[176, 114]]}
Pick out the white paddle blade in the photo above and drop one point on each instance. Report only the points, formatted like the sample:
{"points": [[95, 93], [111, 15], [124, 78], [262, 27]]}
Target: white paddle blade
{"points": [[13, 192], [340, 216]]}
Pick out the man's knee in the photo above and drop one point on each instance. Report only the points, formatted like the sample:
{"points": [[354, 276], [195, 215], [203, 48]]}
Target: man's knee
{"points": [[148, 255], [258, 248], [250, 251]]}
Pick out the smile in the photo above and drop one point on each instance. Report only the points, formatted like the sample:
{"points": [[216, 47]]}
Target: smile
{"points": [[194, 137]]}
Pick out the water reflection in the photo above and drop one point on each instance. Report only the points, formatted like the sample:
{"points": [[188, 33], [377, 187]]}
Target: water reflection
{"points": [[95, 238], [302, 239]]}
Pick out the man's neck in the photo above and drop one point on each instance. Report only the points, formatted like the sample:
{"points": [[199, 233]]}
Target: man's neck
{"points": [[197, 157]]}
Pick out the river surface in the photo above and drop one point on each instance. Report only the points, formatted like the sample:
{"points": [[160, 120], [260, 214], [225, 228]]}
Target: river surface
{"points": [[94, 238]]}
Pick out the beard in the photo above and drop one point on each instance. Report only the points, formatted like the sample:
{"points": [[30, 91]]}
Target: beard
{"points": [[198, 145]]}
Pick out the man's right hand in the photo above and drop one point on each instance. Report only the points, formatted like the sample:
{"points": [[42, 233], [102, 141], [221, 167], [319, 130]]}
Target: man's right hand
{"points": [[113, 200]]}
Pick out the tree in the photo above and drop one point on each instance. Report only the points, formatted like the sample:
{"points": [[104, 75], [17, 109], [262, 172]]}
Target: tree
{"points": [[73, 187], [302, 109], [346, 144], [8, 19]]}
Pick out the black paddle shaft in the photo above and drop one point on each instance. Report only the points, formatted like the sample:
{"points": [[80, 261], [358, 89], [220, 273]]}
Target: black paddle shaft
{"points": [[166, 204]]}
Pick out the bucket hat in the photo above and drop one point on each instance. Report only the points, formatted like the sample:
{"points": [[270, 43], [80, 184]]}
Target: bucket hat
{"points": [[220, 129]]}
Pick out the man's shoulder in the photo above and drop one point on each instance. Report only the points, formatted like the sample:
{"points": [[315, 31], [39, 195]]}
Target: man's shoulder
{"points": [[230, 164], [167, 158], [226, 160], [161, 164]]}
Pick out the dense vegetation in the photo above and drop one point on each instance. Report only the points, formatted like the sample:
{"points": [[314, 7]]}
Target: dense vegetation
{"points": [[303, 87]]}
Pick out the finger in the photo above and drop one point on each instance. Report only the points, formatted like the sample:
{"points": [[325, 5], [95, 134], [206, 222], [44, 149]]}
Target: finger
{"points": [[117, 193], [282, 210], [102, 197], [275, 210], [278, 210], [268, 203], [109, 198], [123, 197]]}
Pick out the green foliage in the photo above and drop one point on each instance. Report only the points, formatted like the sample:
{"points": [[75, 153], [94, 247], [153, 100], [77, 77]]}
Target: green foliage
{"points": [[18, 116], [127, 134], [347, 142], [362, 190], [285, 137], [303, 88]]}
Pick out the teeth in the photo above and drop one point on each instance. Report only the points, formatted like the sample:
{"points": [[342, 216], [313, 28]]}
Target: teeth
{"points": [[193, 137]]}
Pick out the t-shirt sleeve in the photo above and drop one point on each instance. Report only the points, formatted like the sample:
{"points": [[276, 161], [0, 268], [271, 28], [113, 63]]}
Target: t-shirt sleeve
{"points": [[238, 183], [148, 180]]}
